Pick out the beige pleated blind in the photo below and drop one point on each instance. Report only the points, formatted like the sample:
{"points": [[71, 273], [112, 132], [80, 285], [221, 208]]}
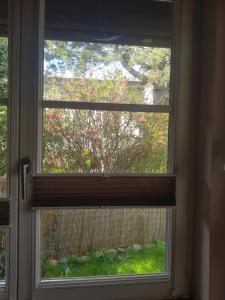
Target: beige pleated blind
{"points": [[90, 191]]}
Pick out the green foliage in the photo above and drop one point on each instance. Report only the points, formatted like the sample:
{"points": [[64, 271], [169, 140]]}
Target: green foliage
{"points": [[83, 141], [148, 67], [148, 259]]}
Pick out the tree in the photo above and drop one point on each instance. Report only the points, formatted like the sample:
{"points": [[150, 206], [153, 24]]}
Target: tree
{"points": [[99, 141], [150, 67]]}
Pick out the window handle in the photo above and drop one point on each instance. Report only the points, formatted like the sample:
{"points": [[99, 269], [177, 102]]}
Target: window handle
{"points": [[26, 168]]}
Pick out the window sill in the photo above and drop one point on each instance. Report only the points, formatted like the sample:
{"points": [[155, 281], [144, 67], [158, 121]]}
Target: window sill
{"points": [[102, 281]]}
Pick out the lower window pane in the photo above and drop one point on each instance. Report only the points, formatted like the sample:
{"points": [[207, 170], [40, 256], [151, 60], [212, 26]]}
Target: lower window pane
{"points": [[3, 151], [103, 242], [2, 256]]}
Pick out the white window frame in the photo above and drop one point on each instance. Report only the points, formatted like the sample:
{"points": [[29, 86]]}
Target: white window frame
{"points": [[42, 104], [30, 62]]}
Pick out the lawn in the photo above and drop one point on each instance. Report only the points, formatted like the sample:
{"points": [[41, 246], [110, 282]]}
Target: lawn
{"points": [[135, 259]]}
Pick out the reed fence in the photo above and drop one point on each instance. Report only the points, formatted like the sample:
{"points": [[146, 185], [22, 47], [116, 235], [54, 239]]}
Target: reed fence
{"points": [[75, 231]]}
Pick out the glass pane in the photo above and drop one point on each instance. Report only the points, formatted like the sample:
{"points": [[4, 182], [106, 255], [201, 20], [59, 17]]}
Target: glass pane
{"points": [[3, 151], [103, 242], [2, 255], [3, 67], [94, 72], [83, 141]]}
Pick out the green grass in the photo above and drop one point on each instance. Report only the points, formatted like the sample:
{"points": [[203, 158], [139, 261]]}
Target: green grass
{"points": [[148, 259]]}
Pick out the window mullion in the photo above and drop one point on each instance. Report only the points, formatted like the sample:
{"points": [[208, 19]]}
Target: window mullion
{"points": [[106, 106]]}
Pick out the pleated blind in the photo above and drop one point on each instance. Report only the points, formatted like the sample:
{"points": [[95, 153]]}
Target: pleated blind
{"points": [[48, 191], [65, 18], [98, 19], [4, 212]]}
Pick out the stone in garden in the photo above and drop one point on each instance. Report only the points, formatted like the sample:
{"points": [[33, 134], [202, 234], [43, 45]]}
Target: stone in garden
{"points": [[63, 260], [99, 253], [52, 262], [112, 251], [84, 258], [137, 247], [121, 250]]}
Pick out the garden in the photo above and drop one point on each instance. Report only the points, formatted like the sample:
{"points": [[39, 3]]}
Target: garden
{"points": [[135, 259]]}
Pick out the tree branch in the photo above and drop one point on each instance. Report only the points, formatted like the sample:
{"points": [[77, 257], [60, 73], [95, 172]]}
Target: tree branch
{"points": [[133, 72]]}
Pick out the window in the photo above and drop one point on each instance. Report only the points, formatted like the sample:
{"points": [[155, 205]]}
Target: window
{"points": [[104, 120], [99, 107], [92, 106], [105, 110]]}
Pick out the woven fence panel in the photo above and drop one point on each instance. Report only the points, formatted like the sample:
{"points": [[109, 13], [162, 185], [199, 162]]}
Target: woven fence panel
{"points": [[75, 231]]}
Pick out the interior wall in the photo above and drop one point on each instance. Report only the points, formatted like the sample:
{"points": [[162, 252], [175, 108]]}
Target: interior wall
{"points": [[209, 243], [186, 134]]}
